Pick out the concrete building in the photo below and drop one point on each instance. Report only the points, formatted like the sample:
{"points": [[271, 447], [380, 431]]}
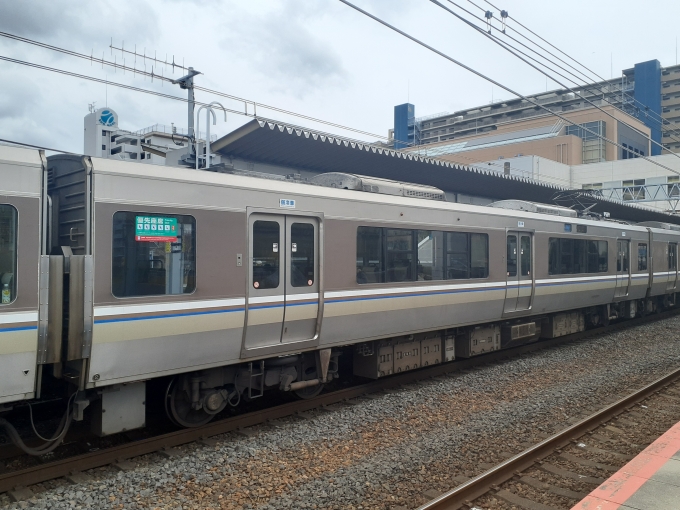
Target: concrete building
{"points": [[103, 138], [647, 91], [544, 136], [652, 183]]}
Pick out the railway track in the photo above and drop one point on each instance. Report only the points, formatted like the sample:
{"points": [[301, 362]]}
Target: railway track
{"points": [[15, 482], [562, 469]]}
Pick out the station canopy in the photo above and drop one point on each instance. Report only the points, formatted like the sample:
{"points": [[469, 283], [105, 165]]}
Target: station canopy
{"points": [[276, 143]]}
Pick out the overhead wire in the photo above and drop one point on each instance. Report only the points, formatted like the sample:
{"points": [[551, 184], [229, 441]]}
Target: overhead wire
{"points": [[659, 118], [589, 83], [513, 51], [33, 146], [494, 82], [153, 75]]}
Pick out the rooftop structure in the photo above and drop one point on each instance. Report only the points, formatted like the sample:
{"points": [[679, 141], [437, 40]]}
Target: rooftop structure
{"points": [[104, 139]]}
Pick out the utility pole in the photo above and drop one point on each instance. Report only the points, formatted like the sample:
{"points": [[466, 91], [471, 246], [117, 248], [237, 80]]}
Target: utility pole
{"points": [[187, 82]]}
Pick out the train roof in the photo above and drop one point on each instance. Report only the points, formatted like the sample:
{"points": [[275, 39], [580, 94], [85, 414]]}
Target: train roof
{"points": [[273, 142], [283, 187]]}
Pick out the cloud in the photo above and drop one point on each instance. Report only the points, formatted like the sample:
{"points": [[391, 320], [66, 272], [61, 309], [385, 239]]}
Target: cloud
{"points": [[82, 24], [280, 46]]}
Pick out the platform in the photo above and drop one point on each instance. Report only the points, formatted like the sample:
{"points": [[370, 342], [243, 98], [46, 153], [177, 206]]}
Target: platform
{"points": [[651, 481]]}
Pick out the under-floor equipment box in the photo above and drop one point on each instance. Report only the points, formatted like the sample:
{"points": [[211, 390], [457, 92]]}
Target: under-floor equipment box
{"points": [[121, 407], [478, 341], [449, 347], [562, 324], [430, 349], [406, 355], [374, 359]]}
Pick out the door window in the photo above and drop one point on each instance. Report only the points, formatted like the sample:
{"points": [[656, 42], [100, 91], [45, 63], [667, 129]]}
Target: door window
{"points": [[266, 254], [525, 269], [512, 255], [302, 254], [672, 256], [622, 261], [642, 257]]}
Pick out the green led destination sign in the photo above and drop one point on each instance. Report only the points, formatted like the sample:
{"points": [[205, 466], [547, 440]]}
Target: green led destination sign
{"points": [[155, 228]]}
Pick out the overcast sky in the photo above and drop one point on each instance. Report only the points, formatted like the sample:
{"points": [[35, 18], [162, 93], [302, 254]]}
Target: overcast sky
{"points": [[315, 57]]}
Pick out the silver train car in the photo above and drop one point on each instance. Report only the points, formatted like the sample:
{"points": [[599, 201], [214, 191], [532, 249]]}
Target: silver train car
{"points": [[117, 273]]}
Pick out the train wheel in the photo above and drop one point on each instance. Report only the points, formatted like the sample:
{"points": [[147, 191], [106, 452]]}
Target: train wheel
{"points": [[178, 407], [309, 372]]}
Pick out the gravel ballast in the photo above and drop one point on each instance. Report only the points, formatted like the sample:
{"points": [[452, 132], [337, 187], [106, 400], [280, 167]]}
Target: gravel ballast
{"points": [[386, 452]]}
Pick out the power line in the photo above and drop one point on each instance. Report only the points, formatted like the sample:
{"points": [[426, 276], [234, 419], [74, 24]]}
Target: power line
{"points": [[512, 50], [153, 75], [588, 81], [160, 94], [34, 146], [660, 119], [491, 80]]}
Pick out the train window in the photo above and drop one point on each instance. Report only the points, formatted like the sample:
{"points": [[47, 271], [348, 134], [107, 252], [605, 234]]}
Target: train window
{"points": [[153, 254], [430, 255], [396, 255], [512, 255], [576, 256], [597, 256], [457, 256], [8, 253], [370, 255], [266, 254], [302, 254], [623, 255], [672, 256], [479, 255], [642, 257], [525, 254], [399, 260]]}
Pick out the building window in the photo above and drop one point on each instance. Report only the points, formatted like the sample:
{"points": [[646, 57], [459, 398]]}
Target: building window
{"points": [[103, 147], [8, 253], [592, 134], [634, 189], [153, 254], [673, 186]]}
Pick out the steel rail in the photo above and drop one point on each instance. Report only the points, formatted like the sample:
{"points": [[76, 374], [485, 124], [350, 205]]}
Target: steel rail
{"points": [[469, 491], [64, 467]]}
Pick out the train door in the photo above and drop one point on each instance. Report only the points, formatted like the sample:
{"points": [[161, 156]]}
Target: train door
{"points": [[672, 266], [622, 267], [302, 279], [519, 290], [283, 280]]}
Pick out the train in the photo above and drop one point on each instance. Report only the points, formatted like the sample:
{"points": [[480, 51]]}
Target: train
{"points": [[226, 285]]}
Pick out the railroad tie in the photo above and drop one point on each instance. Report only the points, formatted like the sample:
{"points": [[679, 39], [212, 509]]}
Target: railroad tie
{"points": [[589, 463], [559, 491], [617, 455], [516, 500], [20, 494], [550, 468]]}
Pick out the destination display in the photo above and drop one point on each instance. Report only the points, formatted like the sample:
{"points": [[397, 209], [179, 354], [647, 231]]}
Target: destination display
{"points": [[155, 229]]}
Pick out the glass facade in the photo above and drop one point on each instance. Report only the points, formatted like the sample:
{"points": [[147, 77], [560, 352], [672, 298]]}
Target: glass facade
{"points": [[594, 147]]}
